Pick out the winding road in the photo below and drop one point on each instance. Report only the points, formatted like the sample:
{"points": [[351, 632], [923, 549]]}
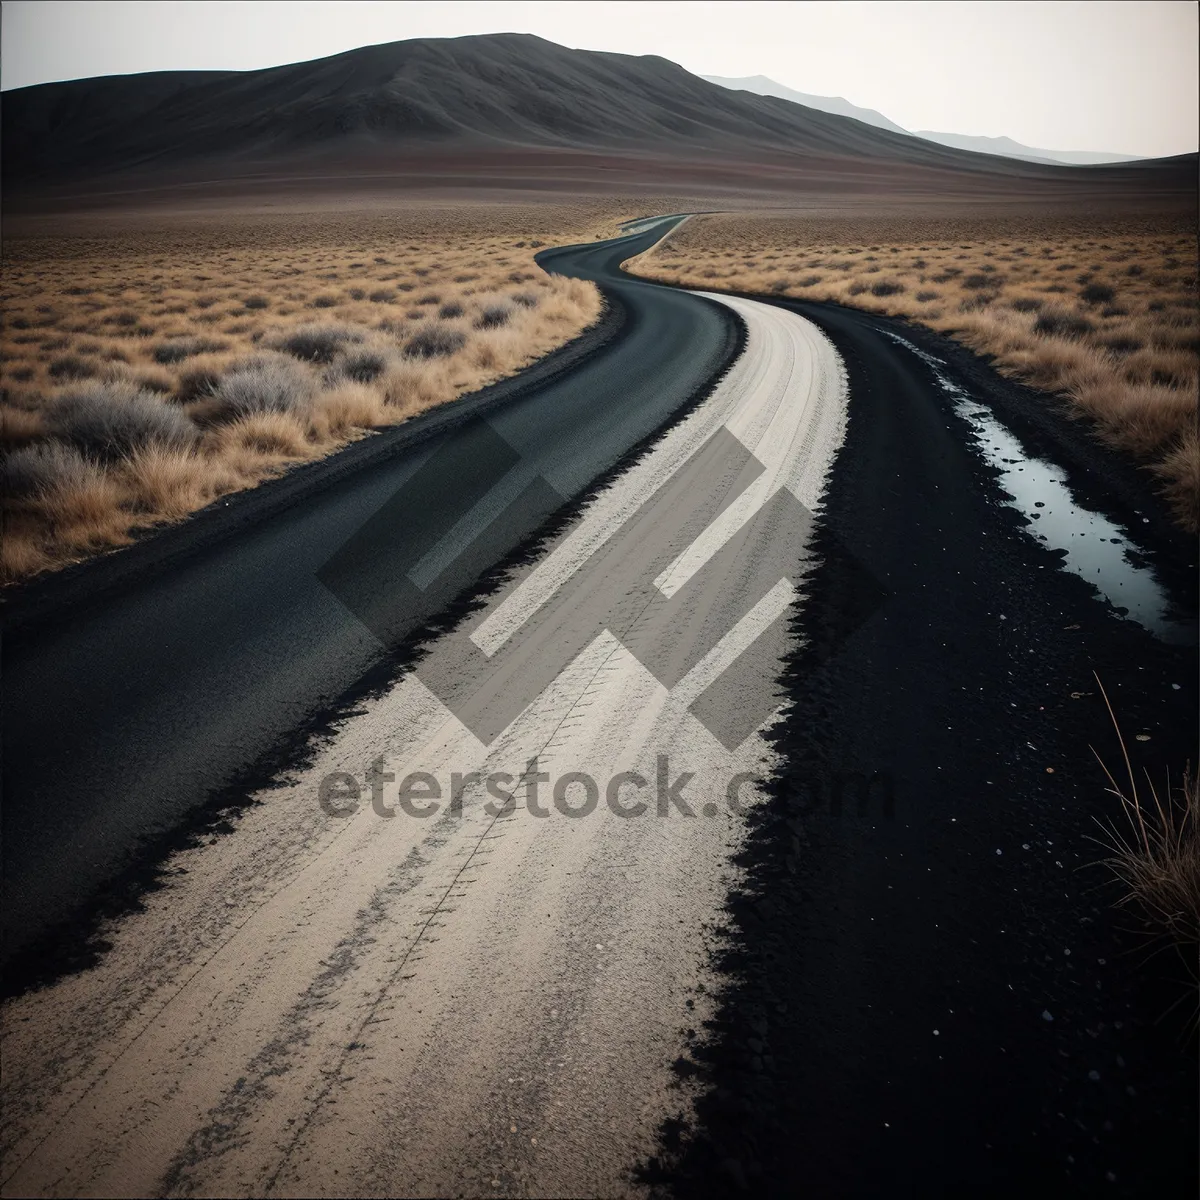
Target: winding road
{"points": [[158, 688], [284, 1017], [470, 941]]}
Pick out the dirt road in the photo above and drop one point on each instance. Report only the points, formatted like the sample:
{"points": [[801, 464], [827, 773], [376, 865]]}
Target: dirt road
{"points": [[343, 997]]}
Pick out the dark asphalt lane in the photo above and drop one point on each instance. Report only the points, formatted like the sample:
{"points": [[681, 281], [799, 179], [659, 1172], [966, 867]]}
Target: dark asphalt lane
{"points": [[926, 988], [143, 698]]}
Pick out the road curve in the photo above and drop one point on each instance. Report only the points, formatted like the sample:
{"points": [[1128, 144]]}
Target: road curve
{"points": [[137, 704], [355, 1000]]}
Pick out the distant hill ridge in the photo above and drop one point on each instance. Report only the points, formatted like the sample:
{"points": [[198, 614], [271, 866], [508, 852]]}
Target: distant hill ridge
{"points": [[501, 90], [762, 86], [470, 101], [1006, 147]]}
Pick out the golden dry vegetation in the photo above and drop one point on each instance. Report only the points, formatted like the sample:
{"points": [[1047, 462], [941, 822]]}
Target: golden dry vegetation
{"points": [[153, 365], [1157, 859], [1101, 309]]}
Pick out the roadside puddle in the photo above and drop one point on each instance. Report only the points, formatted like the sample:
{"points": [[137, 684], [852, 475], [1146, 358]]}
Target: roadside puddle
{"points": [[1093, 547]]}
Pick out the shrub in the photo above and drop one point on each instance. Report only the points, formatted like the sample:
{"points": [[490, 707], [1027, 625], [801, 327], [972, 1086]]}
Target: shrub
{"points": [[975, 282], [1027, 304], [325, 300], [264, 385], [886, 287], [1123, 345], [177, 349], [525, 299], [362, 366], [1097, 293], [108, 420], [857, 289], [316, 343], [431, 299], [925, 297], [1062, 324], [812, 280], [493, 316], [256, 302], [448, 311], [434, 341], [70, 367], [38, 469], [382, 295], [196, 382]]}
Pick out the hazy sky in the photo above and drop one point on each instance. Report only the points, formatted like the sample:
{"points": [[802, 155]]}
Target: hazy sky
{"points": [[1083, 75]]}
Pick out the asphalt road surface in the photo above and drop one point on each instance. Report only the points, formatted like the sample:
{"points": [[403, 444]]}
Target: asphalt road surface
{"points": [[144, 698], [485, 1001]]}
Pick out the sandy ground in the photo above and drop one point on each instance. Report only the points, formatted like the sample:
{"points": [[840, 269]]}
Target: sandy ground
{"points": [[484, 1003]]}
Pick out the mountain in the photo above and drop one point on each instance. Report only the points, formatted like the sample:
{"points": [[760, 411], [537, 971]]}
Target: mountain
{"points": [[501, 111], [1010, 149], [762, 86], [473, 95], [1003, 146]]}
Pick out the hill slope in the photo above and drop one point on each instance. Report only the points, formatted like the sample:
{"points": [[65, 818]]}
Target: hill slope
{"points": [[504, 90]]}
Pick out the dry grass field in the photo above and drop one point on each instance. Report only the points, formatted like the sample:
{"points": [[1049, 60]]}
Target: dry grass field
{"points": [[1099, 308], [153, 364]]}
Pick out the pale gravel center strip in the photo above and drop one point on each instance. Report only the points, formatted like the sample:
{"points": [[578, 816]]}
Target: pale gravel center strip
{"points": [[785, 357]]}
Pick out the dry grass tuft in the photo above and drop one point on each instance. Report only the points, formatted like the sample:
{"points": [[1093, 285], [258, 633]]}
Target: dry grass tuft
{"points": [[1180, 469], [272, 435], [349, 407], [170, 483], [1158, 859], [1047, 297]]}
